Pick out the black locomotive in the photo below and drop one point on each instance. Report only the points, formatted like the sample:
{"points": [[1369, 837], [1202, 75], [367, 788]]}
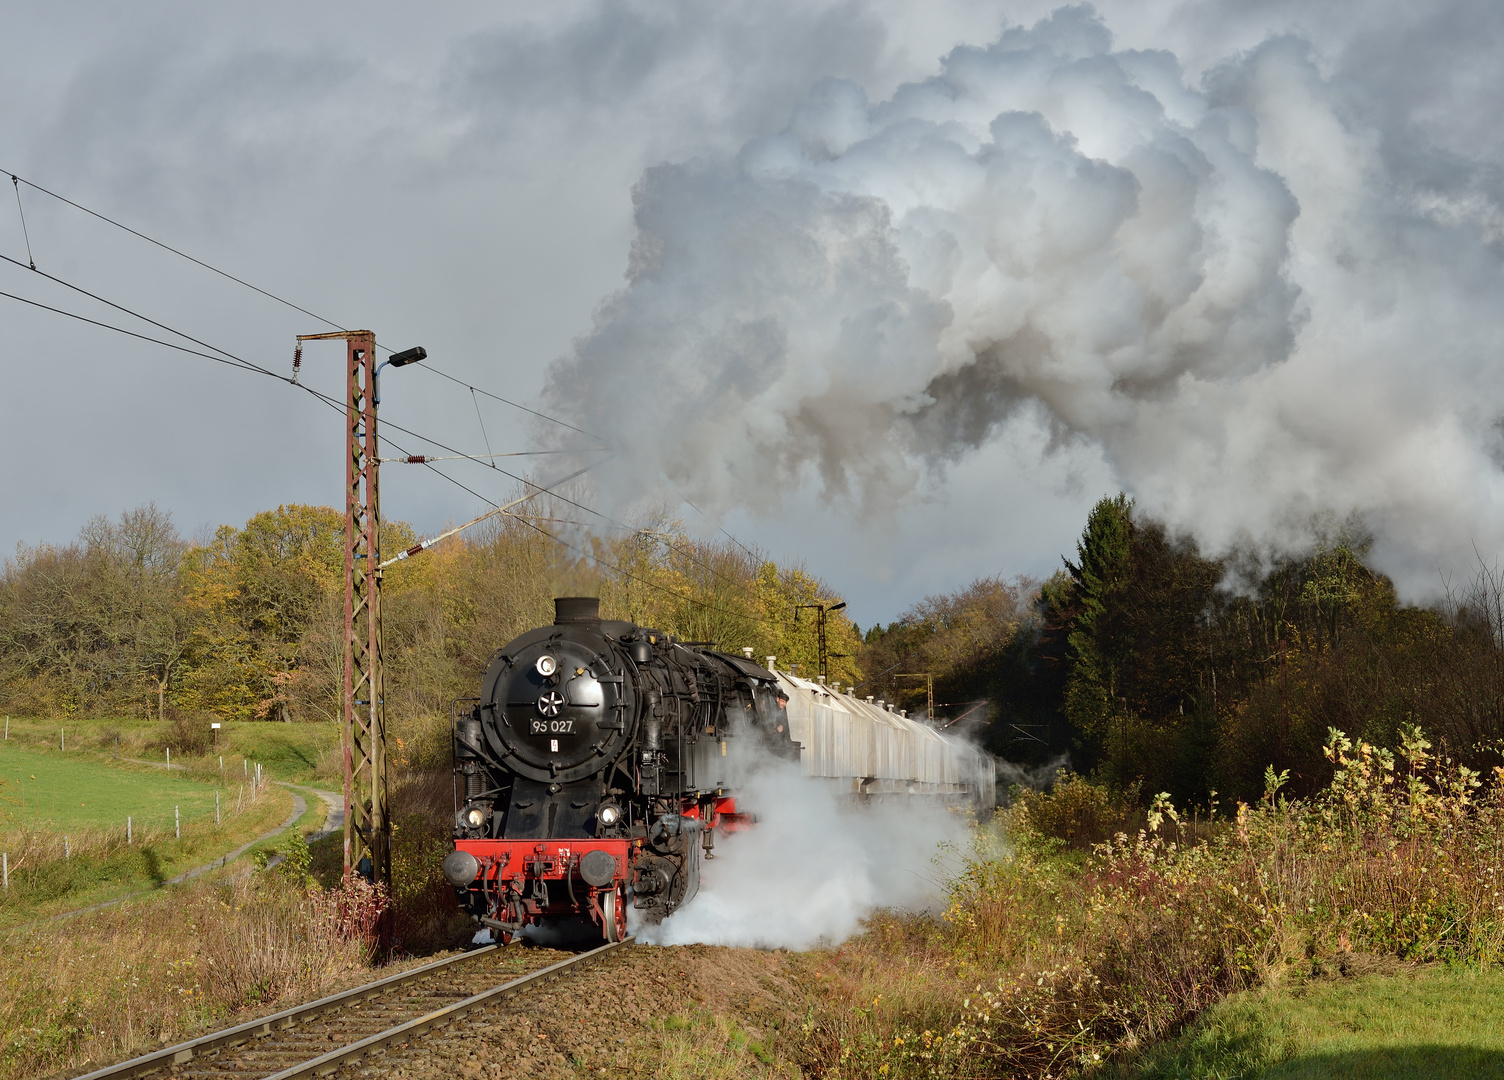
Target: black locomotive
{"points": [[593, 772]]}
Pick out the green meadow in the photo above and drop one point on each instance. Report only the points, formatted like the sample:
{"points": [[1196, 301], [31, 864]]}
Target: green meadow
{"points": [[63, 790], [300, 753], [1437, 1021], [63, 812]]}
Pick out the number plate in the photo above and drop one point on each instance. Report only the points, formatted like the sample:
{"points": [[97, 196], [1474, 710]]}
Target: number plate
{"points": [[552, 727]]}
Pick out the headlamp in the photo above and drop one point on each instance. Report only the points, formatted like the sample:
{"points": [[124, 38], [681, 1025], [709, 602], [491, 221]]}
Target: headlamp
{"points": [[475, 816], [546, 665], [610, 815]]}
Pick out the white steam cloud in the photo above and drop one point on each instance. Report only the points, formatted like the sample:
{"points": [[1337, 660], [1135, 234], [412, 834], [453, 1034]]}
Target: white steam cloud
{"points": [[1243, 288], [813, 867]]}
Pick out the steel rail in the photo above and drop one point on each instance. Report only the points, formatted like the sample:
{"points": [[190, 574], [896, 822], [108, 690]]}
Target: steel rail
{"points": [[439, 1017], [170, 1056], [187, 1051]]}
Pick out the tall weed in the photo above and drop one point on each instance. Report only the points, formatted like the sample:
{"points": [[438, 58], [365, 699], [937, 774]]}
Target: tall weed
{"points": [[121, 981], [1045, 963]]}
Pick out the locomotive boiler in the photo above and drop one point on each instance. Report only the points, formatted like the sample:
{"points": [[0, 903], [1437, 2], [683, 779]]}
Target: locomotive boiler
{"points": [[592, 772], [595, 769]]}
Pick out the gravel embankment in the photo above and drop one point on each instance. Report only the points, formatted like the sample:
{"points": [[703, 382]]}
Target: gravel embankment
{"points": [[614, 1019]]}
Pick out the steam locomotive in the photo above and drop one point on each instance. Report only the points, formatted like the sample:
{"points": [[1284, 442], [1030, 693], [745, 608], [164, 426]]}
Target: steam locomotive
{"points": [[594, 772]]}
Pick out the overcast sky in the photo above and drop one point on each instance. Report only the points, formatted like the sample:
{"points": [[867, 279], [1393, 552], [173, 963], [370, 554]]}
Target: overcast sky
{"points": [[462, 176]]}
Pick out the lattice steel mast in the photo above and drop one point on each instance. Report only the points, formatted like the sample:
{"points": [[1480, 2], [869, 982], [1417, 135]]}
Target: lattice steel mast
{"points": [[368, 822], [820, 611]]}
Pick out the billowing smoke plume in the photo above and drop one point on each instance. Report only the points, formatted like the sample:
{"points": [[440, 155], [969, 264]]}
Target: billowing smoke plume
{"points": [[1259, 301], [814, 866]]}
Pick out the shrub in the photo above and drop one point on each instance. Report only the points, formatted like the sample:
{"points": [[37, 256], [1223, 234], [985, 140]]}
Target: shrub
{"points": [[186, 732], [1044, 963], [1075, 811], [117, 982], [424, 911]]}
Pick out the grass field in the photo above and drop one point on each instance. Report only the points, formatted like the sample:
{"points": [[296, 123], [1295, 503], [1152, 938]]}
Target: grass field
{"points": [[1433, 1022], [63, 824], [78, 789], [300, 753]]}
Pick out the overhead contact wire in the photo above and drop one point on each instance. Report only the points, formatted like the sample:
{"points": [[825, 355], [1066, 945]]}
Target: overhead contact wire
{"points": [[230, 360], [233, 362], [240, 362], [513, 404], [168, 247], [17, 182], [478, 419], [750, 553], [133, 314]]}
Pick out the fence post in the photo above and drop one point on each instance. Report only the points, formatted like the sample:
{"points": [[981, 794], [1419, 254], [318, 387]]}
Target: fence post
{"points": [[67, 851], [177, 825], [5, 857], [127, 830], [169, 757], [62, 739], [216, 808]]}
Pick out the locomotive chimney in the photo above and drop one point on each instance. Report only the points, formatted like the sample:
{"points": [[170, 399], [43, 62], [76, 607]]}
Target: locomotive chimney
{"points": [[577, 609]]}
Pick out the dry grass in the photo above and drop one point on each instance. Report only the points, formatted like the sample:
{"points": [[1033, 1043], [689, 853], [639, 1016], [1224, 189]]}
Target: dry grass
{"points": [[53, 870], [119, 982], [425, 915], [1046, 963]]}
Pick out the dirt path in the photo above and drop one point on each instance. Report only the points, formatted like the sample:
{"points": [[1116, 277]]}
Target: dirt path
{"points": [[334, 814], [334, 819]]}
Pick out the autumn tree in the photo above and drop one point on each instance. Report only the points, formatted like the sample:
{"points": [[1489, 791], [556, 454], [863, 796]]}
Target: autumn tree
{"points": [[256, 591], [99, 623], [959, 638]]}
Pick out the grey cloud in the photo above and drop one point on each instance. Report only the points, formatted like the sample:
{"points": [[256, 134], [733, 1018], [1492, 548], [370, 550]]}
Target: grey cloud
{"points": [[1226, 284], [688, 73], [1239, 256]]}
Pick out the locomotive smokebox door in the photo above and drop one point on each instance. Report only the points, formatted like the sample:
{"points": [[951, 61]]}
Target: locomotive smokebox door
{"points": [[557, 701]]}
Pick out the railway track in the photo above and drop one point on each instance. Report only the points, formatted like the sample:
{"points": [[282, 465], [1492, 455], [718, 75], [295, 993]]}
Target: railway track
{"points": [[324, 1035]]}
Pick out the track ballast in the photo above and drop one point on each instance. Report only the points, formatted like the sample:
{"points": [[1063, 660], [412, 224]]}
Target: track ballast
{"points": [[324, 1035]]}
